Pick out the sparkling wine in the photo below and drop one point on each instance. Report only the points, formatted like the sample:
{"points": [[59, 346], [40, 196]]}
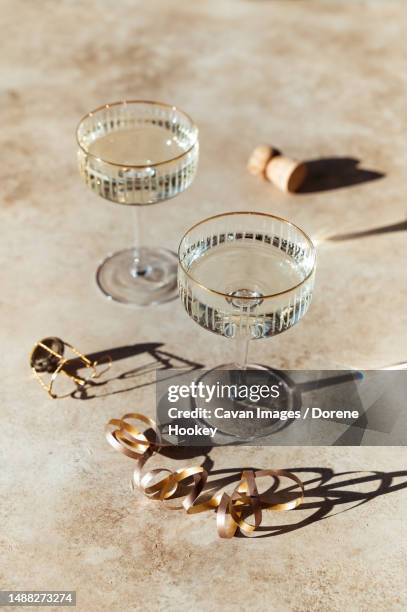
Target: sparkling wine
{"points": [[233, 273], [139, 162], [138, 146], [138, 152]]}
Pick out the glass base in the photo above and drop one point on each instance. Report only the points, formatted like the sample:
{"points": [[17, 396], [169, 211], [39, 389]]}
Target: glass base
{"points": [[253, 428], [249, 366], [141, 277]]}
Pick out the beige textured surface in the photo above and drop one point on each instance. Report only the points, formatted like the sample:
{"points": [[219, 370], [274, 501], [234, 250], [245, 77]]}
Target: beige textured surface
{"points": [[317, 79]]}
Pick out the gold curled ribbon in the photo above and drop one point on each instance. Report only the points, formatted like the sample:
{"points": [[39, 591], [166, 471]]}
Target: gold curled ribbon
{"points": [[232, 511]]}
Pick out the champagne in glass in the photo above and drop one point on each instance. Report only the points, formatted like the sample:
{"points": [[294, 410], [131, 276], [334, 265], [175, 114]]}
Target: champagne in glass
{"points": [[246, 276], [138, 153]]}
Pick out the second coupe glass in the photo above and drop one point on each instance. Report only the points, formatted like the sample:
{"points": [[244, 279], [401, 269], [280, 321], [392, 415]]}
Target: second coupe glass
{"points": [[138, 153], [246, 275]]}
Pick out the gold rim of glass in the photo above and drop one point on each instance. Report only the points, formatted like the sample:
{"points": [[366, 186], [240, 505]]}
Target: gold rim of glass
{"points": [[259, 214], [194, 127]]}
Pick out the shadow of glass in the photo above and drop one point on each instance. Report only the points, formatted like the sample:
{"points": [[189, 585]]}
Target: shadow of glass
{"points": [[375, 231], [259, 429]]}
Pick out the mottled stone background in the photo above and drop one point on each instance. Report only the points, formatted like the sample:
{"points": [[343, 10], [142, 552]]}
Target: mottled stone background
{"points": [[319, 79]]}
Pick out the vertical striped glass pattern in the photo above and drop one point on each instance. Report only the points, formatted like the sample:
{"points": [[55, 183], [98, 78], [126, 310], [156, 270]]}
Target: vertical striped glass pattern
{"points": [[138, 184], [245, 309]]}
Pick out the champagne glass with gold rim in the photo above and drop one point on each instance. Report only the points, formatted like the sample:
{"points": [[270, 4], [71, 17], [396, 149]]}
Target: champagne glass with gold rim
{"points": [[138, 153], [246, 276]]}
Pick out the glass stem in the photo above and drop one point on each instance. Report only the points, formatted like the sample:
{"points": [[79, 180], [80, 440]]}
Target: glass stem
{"points": [[138, 266], [242, 349]]}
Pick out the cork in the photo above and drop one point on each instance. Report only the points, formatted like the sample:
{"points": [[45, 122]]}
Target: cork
{"points": [[285, 173], [259, 159]]}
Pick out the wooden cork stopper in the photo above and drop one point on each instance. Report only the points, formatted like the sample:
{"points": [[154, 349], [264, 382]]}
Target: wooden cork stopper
{"points": [[259, 159], [285, 173]]}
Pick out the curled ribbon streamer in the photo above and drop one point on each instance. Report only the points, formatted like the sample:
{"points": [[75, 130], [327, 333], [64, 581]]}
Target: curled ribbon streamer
{"points": [[232, 510]]}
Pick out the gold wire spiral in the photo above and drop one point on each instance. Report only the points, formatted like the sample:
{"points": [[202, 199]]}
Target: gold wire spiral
{"points": [[48, 356]]}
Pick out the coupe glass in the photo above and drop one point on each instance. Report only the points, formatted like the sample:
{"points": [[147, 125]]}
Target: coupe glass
{"points": [[246, 275], [138, 153]]}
